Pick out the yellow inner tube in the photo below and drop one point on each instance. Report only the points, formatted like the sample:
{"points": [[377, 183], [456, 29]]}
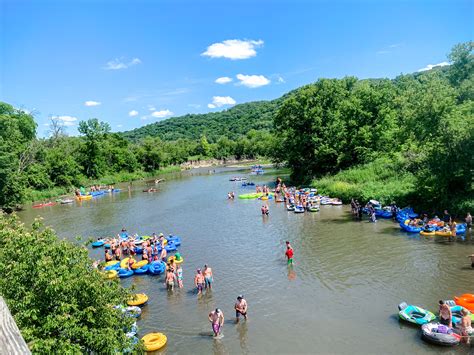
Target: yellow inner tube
{"points": [[172, 258], [137, 299], [139, 264], [124, 263], [443, 234], [111, 274], [111, 262], [427, 233], [154, 341]]}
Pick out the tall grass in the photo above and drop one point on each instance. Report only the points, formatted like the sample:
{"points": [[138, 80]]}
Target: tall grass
{"points": [[382, 179]]}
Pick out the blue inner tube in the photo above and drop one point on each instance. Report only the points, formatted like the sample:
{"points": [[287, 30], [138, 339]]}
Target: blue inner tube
{"points": [[157, 267], [139, 250], [98, 243], [142, 270], [170, 246], [122, 273], [174, 239], [112, 267]]}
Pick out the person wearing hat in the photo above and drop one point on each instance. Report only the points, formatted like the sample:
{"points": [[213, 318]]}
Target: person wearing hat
{"points": [[216, 318], [240, 308]]}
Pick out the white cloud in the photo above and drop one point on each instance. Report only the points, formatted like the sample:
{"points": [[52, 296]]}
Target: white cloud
{"points": [[431, 66], [151, 108], [233, 49], [119, 125], [120, 63], [66, 120], [162, 113], [92, 103], [223, 80], [253, 81], [219, 101], [133, 113]]}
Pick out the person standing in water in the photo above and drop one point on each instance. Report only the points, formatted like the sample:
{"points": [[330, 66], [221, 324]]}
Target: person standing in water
{"points": [[170, 278], [199, 281], [208, 278], [468, 220], [289, 255], [216, 318], [240, 308], [179, 276]]}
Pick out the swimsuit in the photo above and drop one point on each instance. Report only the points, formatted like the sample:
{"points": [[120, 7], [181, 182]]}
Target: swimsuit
{"points": [[216, 327], [200, 286], [208, 280]]}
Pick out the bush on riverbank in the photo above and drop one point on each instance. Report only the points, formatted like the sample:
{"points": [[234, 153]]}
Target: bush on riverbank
{"points": [[60, 303]]}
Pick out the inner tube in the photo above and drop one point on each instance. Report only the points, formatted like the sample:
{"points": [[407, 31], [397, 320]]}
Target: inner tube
{"points": [[133, 311], [299, 209], [110, 274], [139, 264], [112, 262], [174, 239], [154, 341], [410, 229], [138, 299], [98, 243], [466, 300], [123, 273], [290, 207], [439, 334], [170, 247], [443, 234], [173, 258], [142, 270], [157, 267], [427, 233], [124, 262], [414, 314], [112, 267], [313, 209]]}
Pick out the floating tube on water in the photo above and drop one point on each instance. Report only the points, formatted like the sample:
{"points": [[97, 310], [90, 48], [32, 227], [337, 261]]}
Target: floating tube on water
{"points": [[112, 267], [111, 274], [84, 197], [414, 314], [112, 262], [174, 239], [383, 214], [138, 299], [443, 234], [98, 243], [173, 259], [142, 270], [157, 267], [133, 311], [124, 262], [428, 233], [466, 300], [290, 207], [139, 264], [170, 247], [439, 334], [123, 273], [139, 250], [154, 341], [410, 229], [299, 209], [313, 209], [66, 201]]}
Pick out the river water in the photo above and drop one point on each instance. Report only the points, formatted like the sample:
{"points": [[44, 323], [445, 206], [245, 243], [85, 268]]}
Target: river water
{"points": [[340, 297]]}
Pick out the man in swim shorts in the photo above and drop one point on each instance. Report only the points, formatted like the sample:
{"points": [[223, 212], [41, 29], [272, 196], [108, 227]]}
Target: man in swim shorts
{"points": [[170, 278], [216, 318], [240, 307], [208, 276], [445, 314], [199, 281]]}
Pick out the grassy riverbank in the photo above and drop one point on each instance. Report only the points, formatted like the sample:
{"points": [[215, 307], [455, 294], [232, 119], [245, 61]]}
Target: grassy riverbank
{"points": [[385, 180], [38, 195]]}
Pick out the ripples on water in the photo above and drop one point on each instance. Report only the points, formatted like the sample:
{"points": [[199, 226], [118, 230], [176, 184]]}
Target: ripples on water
{"points": [[341, 296]]}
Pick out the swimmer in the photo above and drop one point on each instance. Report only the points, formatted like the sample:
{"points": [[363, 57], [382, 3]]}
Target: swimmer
{"points": [[240, 308], [216, 318], [179, 276], [289, 255], [170, 278]]}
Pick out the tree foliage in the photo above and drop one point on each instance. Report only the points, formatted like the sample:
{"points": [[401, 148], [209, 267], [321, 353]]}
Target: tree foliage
{"points": [[60, 303]]}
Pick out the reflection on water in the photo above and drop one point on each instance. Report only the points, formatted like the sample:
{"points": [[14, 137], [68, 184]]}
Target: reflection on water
{"points": [[341, 295]]}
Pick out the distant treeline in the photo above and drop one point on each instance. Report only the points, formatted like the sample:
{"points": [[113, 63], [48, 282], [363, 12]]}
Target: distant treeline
{"points": [[409, 139]]}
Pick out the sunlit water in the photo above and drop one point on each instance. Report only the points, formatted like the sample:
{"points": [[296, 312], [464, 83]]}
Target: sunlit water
{"points": [[340, 297]]}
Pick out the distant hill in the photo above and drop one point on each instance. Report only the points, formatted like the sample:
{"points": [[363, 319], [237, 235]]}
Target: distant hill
{"points": [[232, 123]]}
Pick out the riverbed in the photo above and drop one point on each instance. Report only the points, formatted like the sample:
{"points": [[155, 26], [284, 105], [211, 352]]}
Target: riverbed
{"points": [[340, 297]]}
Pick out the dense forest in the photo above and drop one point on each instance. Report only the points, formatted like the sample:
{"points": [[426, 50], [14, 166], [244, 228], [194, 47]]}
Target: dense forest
{"points": [[409, 139]]}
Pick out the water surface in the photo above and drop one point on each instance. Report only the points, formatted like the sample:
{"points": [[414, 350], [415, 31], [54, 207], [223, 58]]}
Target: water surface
{"points": [[341, 296]]}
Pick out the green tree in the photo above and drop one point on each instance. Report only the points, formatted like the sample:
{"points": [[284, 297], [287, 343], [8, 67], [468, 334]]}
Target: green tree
{"points": [[17, 132], [94, 133], [61, 304]]}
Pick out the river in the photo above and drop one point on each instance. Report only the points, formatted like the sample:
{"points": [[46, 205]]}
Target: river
{"points": [[341, 296]]}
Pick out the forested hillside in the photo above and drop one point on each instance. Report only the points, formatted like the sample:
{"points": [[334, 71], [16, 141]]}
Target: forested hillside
{"points": [[232, 123]]}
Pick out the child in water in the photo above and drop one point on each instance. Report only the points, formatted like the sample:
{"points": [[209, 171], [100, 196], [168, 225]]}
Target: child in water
{"points": [[179, 276]]}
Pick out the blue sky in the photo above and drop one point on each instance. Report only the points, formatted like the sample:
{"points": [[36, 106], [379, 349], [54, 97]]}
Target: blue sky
{"points": [[131, 63]]}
